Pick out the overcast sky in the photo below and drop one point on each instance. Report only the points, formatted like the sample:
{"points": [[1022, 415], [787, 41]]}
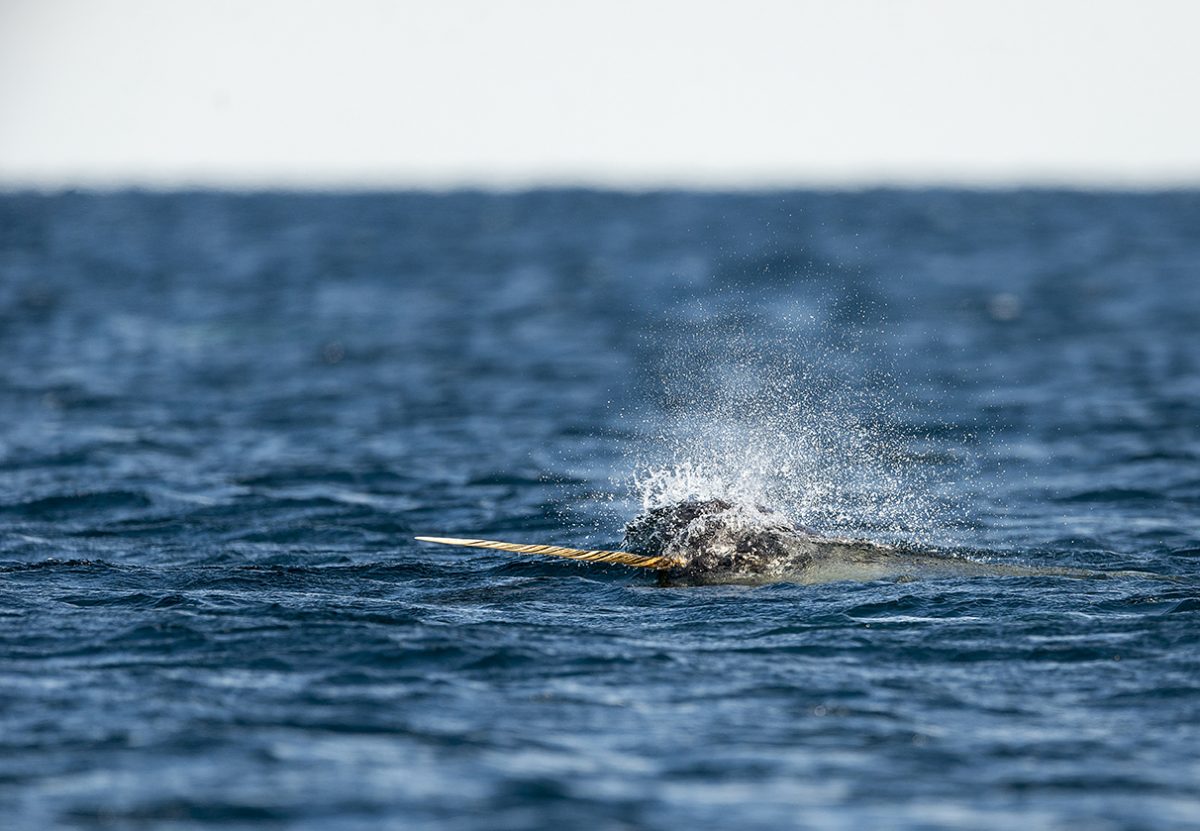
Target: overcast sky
{"points": [[367, 93]]}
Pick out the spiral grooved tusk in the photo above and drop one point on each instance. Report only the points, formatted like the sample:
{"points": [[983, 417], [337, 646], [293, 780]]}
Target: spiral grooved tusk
{"points": [[623, 558]]}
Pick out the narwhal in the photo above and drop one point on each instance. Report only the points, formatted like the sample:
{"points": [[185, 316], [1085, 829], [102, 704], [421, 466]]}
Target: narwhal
{"points": [[702, 541]]}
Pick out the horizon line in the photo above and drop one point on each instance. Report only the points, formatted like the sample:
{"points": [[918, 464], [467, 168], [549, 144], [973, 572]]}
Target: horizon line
{"points": [[503, 185]]}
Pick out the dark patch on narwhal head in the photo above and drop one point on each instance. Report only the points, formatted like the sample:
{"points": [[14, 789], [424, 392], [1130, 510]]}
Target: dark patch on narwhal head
{"points": [[712, 535]]}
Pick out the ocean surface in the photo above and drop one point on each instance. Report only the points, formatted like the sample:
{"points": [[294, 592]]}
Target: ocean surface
{"points": [[225, 416]]}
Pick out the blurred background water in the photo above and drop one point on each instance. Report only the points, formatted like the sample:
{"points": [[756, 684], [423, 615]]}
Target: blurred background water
{"points": [[226, 415]]}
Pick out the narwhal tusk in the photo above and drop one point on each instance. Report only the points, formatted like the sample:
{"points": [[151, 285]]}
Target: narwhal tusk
{"points": [[619, 557]]}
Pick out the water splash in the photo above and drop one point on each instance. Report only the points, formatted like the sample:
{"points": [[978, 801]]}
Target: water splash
{"points": [[802, 422]]}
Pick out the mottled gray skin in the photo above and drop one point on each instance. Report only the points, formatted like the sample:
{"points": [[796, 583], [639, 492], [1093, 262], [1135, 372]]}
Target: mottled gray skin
{"points": [[718, 542], [710, 538]]}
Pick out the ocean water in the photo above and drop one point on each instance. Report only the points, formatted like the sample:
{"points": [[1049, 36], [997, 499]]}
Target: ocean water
{"points": [[225, 417]]}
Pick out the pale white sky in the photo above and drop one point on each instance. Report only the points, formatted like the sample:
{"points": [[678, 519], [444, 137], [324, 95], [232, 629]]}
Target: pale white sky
{"points": [[366, 93]]}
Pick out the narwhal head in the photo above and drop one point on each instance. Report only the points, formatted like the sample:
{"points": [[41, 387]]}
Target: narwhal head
{"points": [[691, 539], [712, 535]]}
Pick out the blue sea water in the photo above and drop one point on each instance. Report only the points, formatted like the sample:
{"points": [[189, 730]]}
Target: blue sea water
{"points": [[226, 415]]}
